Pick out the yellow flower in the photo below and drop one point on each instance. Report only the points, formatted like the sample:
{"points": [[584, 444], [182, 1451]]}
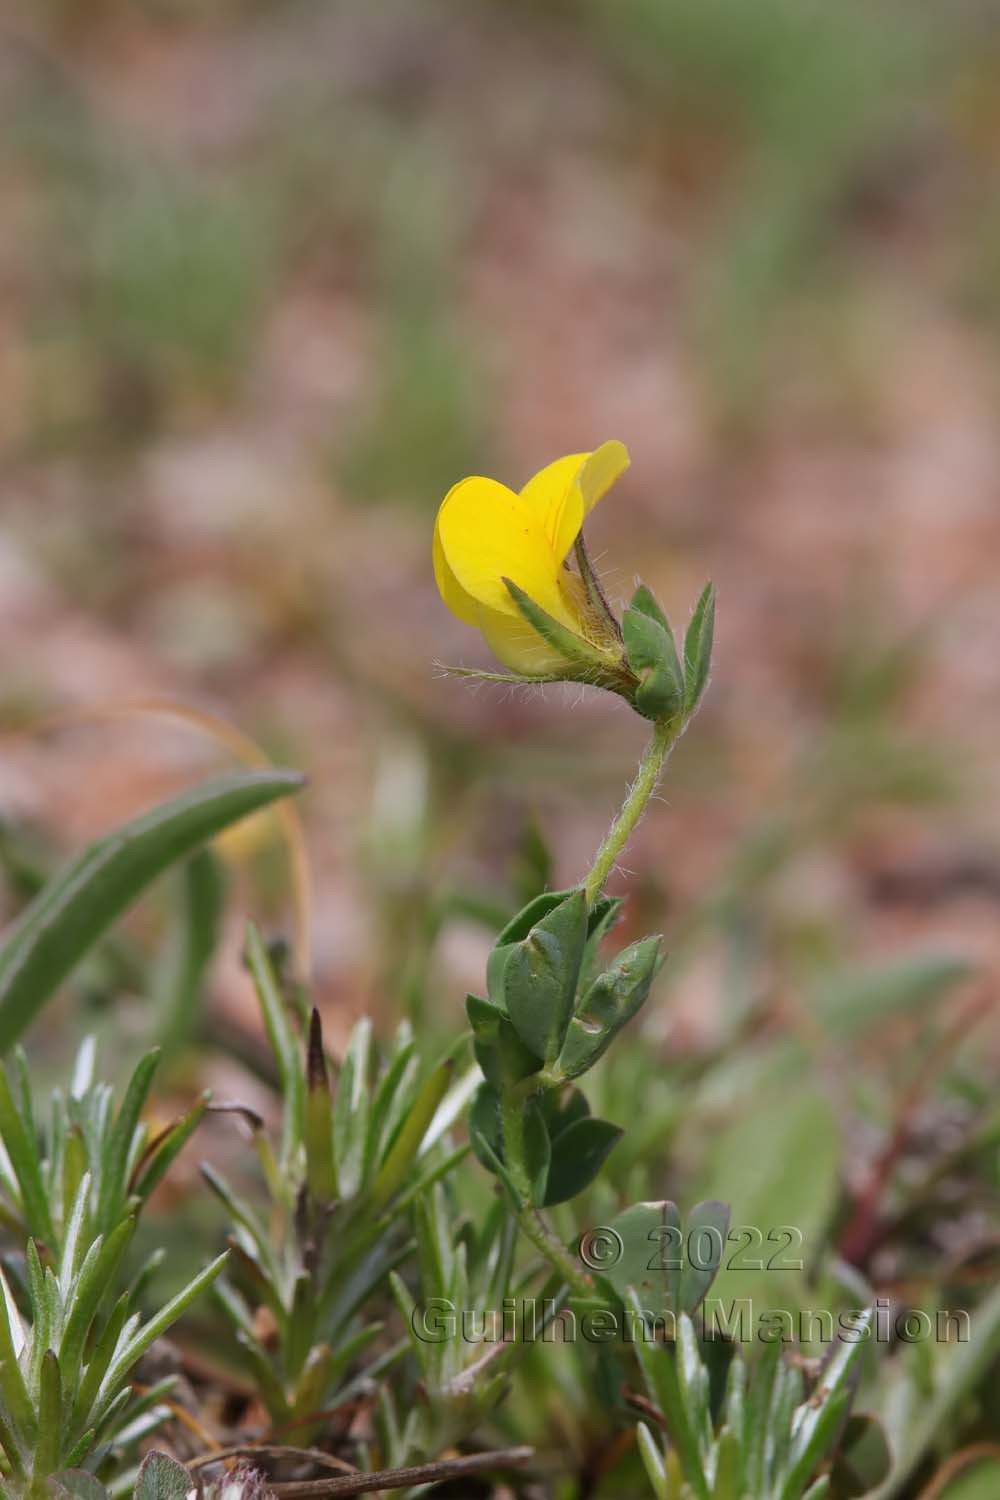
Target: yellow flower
{"points": [[486, 534]]}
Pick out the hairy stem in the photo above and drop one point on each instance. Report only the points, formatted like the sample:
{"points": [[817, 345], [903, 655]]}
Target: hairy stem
{"points": [[535, 1228], [531, 1220], [665, 734]]}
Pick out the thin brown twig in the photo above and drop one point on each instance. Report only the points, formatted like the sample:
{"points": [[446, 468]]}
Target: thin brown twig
{"points": [[956, 1464], [401, 1479], [273, 1450], [639, 1402]]}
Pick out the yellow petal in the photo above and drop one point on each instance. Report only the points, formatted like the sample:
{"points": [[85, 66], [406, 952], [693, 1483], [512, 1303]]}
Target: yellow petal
{"points": [[600, 470], [555, 498], [518, 646], [458, 601], [563, 493], [486, 533]]}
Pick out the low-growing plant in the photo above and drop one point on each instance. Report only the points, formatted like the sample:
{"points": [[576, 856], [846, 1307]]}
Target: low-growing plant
{"points": [[364, 1212], [69, 1341], [339, 1186]]}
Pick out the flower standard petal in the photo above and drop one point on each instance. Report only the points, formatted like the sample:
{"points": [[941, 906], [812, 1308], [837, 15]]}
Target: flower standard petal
{"points": [[600, 470], [554, 497], [564, 493]]}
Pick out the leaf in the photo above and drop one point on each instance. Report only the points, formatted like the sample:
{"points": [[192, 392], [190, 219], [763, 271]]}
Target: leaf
{"points": [[351, 1107], [698, 640], [135, 1347], [75, 909], [863, 1459], [705, 1231], [166, 1147], [484, 1126], [602, 917], [113, 1185], [541, 973], [645, 601], [500, 1053], [611, 1001], [649, 1255], [321, 1173], [281, 1036], [537, 1152], [162, 1478], [403, 1151], [822, 1434], [22, 1149], [48, 1443], [659, 1367], [652, 1461], [653, 658], [578, 1154]]}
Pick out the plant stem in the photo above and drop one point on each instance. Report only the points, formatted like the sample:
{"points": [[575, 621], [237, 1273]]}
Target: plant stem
{"points": [[665, 734], [531, 1221], [535, 1229]]}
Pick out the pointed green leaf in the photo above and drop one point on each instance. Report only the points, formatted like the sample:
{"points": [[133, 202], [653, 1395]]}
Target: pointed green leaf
{"points": [[728, 1467], [66, 919], [645, 601], [351, 1107], [610, 1002], [579, 654], [167, 1146], [281, 1035], [652, 1461], [113, 1185], [50, 1424], [659, 1367], [540, 977], [698, 648], [403, 1151], [22, 1149], [537, 1151], [321, 1173]]}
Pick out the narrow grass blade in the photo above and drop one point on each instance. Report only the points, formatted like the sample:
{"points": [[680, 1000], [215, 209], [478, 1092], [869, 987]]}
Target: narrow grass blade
{"points": [[66, 919]]}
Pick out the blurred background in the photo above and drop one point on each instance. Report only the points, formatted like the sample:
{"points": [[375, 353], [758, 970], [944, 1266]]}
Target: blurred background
{"points": [[274, 275]]}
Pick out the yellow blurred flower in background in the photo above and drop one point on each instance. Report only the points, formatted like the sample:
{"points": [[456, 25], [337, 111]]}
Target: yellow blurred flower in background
{"points": [[487, 534]]}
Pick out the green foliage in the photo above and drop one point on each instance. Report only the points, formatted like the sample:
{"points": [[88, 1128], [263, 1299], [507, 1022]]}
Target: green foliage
{"points": [[42, 1177], [652, 656], [69, 1338], [349, 1165], [66, 919], [771, 1437]]}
